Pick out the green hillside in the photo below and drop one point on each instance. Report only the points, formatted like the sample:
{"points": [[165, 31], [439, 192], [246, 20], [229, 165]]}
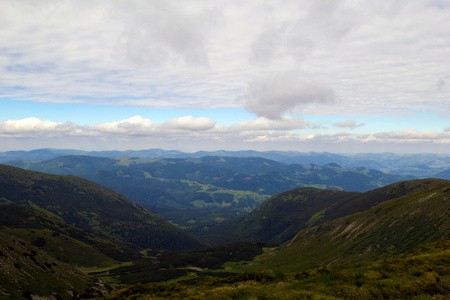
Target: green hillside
{"points": [[420, 274], [27, 271], [63, 242], [392, 227], [279, 218], [89, 206]]}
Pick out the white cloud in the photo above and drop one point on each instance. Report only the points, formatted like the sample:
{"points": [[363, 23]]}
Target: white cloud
{"points": [[140, 126], [262, 123], [350, 123], [275, 94], [262, 133], [132, 126], [34, 125], [189, 123]]}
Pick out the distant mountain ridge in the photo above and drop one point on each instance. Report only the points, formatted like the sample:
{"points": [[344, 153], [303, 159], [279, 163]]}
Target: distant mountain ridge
{"points": [[421, 165]]}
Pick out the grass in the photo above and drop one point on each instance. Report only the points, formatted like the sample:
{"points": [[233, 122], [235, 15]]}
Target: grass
{"points": [[420, 274]]}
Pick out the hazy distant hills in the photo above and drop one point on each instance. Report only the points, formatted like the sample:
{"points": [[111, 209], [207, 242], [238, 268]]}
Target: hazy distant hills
{"points": [[89, 206], [419, 165], [197, 193]]}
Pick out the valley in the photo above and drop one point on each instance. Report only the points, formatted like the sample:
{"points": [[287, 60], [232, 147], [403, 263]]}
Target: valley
{"points": [[219, 227], [197, 194]]}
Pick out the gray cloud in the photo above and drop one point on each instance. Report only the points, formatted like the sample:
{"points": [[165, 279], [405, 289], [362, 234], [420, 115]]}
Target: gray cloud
{"points": [[202, 54], [160, 32], [275, 94], [412, 135], [350, 123], [439, 84]]}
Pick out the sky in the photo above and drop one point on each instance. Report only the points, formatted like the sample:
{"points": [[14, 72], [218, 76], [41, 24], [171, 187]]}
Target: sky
{"points": [[342, 76]]}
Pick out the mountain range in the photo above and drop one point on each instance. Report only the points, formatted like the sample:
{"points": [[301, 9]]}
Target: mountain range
{"points": [[198, 193], [420, 165]]}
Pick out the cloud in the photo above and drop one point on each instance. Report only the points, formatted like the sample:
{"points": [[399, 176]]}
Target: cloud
{"points": [[34, 125], [160, 53], [140, 126], [350, 123], [165, 32], [275, 94], [440, 84], [447, 129], [262, 123], [189, 123], [132, 126], [412, 135]]}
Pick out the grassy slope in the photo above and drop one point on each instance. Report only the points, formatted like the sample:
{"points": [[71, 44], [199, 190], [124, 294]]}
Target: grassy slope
{"points": [[389, 228], [279, 218], [420, 274], [26, 270], [90, 206], [60, 240]]}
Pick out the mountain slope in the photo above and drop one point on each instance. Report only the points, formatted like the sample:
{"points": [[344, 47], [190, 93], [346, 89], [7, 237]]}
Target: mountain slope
{"points": [[392, 227], [27, 271], [63, 242], [280, 217], [89, 206]]}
